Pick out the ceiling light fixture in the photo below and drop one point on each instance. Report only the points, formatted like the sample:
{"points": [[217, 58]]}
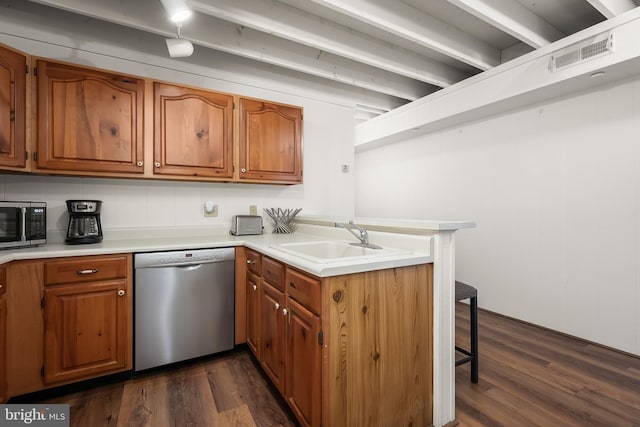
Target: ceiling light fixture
{"points": [[177, 9], [179, 47]]}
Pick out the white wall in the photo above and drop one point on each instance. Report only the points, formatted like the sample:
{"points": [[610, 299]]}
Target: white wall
{"points": [[327, 133], [555, 192]]}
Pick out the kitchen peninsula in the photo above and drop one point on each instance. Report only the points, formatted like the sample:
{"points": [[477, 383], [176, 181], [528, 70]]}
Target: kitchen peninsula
{"points": [[385, 353]]}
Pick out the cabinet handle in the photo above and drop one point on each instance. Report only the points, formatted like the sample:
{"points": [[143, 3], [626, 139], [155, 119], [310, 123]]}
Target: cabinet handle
{"points": [[243, 170], [121, 293], [285, 311], [276, 306], [255, 287], [88, 271], [139, 164], [250, 261], [156, 164]]}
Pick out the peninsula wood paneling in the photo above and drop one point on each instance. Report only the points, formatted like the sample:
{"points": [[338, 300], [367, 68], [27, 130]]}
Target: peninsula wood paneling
{"points": [[378, 343]]}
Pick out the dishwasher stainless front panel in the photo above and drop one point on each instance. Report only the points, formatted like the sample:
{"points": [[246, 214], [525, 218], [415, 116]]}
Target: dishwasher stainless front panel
{"points": [[184, 305]]}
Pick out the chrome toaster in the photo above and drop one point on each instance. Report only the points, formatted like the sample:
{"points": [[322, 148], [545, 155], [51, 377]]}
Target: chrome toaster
{"points": [[243, 225]]}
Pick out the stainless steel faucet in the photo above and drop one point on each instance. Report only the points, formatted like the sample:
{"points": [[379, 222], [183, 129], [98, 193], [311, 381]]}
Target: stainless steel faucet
{"points": [[362, 234]]}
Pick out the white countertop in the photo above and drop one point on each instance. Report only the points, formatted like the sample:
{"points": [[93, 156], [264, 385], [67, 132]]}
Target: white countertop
{"points": [[417, 249]]}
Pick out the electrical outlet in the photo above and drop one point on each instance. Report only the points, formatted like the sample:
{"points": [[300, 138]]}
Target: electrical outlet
{"points": [[210, 209], [253, 209]]}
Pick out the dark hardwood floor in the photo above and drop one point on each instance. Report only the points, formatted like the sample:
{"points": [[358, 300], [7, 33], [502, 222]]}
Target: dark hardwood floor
{"points": [[226, 390], [528, 377]]}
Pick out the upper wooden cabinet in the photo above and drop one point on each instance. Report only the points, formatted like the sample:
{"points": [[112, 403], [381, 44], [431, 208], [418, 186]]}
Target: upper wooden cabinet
{"points": [[193, 132], [89, 120], [85, 121], [13, 112], [270, 141]]}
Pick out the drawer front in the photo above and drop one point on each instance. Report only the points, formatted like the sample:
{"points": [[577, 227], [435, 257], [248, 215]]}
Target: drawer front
{"points": [[3, 280], [253, 262], [273, 272], [304, 289], [85, 269]]}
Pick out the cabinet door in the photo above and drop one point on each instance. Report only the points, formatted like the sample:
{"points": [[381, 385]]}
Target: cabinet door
{"points": [[13, 86], [193, 132], [89, 120], [85, 330], [253, 313], [3, 349], [272, 334], [303, 381], [270, 141]]}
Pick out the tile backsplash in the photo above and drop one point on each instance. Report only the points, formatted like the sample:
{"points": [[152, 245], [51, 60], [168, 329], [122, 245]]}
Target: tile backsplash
{"points": [[146, 203]]}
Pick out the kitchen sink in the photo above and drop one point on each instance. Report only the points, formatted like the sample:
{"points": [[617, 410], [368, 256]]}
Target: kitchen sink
{"points": [[333, 251]]}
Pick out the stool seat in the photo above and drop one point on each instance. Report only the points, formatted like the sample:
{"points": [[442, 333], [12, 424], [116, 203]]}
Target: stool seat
{"points": [[464, 291]]}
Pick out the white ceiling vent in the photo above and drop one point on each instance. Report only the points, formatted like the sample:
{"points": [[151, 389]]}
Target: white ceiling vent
{"points": [[599, 45]]}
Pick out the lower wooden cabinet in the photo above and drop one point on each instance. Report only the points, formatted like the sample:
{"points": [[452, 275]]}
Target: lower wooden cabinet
{"points": [[3, 335], [303, 364], [253, 313], [284, 334], [88, 317], [72, 321], [272, 337], [85, 330]]}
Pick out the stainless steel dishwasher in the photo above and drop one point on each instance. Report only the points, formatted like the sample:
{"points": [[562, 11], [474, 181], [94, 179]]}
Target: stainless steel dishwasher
{"points": [[184, 305]]}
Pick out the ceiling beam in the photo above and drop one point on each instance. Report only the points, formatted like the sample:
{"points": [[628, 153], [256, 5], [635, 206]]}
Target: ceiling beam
{"points": [[612, 8], [514, 19], [225, 36], [412, 24], [293, 24]]}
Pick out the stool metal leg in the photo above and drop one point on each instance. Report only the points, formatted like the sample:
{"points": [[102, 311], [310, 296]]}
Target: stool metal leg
{"points": [[473, 311]]}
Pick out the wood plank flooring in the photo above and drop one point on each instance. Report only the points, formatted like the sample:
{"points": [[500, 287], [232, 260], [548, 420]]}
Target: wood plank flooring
{"points": [[226, 390], [528, 377]]}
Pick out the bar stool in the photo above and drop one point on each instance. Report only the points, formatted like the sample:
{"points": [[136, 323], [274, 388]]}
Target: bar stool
{"points": [[464, 291]]}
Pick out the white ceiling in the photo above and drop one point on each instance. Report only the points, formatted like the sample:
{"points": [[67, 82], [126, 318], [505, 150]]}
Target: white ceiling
{"points": [[401, 48]]}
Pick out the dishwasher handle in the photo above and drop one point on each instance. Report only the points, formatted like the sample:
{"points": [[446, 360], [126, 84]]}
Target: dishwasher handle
{"points": [[189, 267]]}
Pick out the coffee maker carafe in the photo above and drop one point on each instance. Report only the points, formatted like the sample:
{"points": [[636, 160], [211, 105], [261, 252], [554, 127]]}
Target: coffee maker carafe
{"points": [[84, 222]]}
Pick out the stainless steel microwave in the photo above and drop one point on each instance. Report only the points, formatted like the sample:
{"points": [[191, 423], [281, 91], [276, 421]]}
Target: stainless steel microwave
{"points": [[22, 224]]}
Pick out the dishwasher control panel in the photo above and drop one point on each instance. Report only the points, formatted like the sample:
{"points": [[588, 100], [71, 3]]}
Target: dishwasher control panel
{"points": [[179, 258]]}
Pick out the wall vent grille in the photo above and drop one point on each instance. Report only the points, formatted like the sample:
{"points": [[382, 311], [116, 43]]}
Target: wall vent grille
{"points": [[599, 45]]}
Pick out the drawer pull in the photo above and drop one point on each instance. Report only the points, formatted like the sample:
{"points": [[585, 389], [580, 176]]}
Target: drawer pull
{"points": [[88, 271], [249, 261], [285, 311], [255, 287], [121, 293], [276, 306]]}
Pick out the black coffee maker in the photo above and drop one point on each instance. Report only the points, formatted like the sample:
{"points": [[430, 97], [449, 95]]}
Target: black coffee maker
{"points": [[84, 222]]}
